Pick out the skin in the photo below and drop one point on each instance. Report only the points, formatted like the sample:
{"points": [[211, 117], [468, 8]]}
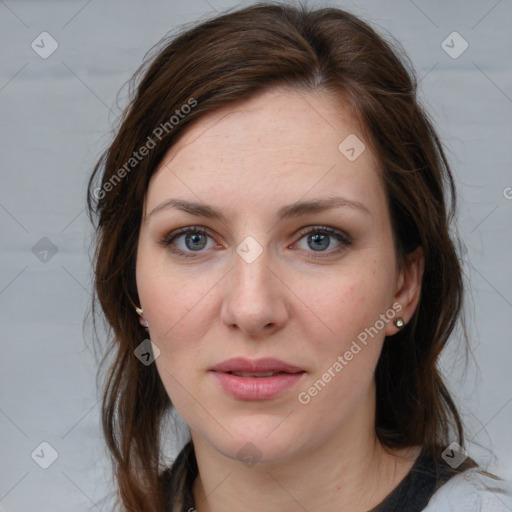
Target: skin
{"points": [[247, 161]]}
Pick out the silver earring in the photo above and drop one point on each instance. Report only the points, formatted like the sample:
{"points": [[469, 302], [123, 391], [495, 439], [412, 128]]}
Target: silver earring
{"points": [[399, 322]]}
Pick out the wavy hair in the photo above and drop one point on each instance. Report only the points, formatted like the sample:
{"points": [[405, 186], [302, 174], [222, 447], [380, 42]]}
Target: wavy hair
{"points": [[216, 63]]}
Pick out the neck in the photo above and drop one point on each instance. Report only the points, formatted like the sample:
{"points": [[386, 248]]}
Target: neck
{"points": [[351, 471]]}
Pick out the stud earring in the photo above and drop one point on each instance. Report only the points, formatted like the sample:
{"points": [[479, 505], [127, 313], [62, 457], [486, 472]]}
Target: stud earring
{"points": [[399, 322], [143, 321]]}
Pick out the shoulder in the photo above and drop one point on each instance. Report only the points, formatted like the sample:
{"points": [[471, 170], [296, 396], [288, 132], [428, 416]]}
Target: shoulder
{"points": [[472, 491]]}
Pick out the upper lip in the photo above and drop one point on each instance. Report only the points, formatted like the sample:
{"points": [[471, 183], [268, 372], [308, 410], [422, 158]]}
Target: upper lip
{"points": [[269, 364]]}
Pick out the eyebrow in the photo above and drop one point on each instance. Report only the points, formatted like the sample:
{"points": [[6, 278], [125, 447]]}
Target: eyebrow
{"points": [[293, 210]]}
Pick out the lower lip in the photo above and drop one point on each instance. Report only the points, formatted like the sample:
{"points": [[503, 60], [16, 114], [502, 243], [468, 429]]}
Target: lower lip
{"points": [[256, 388]]}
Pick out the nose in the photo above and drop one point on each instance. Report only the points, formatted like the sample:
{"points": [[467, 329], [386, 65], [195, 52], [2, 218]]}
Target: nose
{"points": [[255, 298]]}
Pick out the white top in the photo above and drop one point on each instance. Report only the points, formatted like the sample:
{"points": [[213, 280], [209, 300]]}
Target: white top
{"points": [[471, 491]]}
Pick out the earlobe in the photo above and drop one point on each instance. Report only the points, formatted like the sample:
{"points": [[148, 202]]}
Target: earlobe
{"points": [[142, 320]]}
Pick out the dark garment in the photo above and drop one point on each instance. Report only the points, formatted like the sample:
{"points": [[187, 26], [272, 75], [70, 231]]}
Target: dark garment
{"points": [[177, 481], [412, 494]]}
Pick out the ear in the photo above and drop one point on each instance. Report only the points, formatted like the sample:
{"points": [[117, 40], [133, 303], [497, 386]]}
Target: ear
{"points": [[408, 288]]}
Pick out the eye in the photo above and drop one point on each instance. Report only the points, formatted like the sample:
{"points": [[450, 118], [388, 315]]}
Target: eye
{"points": [[186, 241], [193, 239], [319, 239]]}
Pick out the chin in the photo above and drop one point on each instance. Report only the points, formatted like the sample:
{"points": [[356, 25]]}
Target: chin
{"points": [[264, 445], [258, 451]]}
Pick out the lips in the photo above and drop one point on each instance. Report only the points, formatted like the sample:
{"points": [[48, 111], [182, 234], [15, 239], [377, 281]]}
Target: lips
{"points": [[254, 380]]}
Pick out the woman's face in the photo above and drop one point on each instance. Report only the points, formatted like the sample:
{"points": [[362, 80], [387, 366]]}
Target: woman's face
{"points": [[254, 283]]}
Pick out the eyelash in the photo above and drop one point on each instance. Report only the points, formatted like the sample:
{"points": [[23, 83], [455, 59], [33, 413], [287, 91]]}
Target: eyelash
{"points": [[341, 237]]}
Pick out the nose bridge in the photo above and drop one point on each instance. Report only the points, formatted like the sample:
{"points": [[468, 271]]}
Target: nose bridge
{"points": [[252, 277], [252, 267], [253, 298]]}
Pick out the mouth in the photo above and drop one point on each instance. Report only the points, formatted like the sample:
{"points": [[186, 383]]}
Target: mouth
{"points": [[258, 375], [261, 379], [256, 367]]}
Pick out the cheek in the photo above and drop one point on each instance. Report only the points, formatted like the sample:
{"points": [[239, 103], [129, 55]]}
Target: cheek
{"points": [[347, 357], [169, 295], [175, 310], [351, 302], [351, 323]]}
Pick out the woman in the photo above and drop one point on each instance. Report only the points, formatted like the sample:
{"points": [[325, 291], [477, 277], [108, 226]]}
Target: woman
{"points": [[274, 209]]}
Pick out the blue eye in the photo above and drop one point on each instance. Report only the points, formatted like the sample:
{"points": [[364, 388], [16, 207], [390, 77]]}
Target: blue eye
{"points": [[193, 239], [320, 237]]}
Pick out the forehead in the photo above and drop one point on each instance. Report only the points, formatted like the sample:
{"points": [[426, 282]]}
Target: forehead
{"points": [[278, 142]]}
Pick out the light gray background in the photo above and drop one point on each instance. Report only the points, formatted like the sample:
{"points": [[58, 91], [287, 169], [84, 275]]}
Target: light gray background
{"points": [[56, 115]]}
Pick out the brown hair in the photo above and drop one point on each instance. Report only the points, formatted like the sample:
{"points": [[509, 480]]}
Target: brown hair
{"points": [[214, 64]]}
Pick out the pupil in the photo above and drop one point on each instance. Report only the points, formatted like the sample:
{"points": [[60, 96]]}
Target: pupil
{"points": [[196, 241], [323, 239]]}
